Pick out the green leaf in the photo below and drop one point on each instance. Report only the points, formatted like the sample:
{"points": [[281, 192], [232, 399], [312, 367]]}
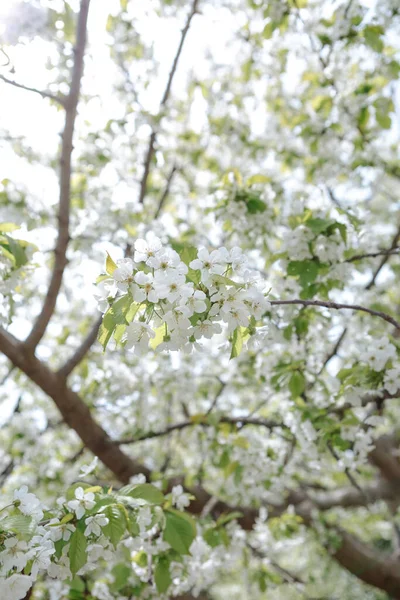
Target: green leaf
{"points": [[106, 329], [255, 205], [162, 576], [212, 536], [121, 574], [77, 550], [180, 530], [7, 227], [17, 251], [159, 338], [110, 265], [318, 225], [297, 384], [187, 254], [258, 179], [237, 342], [120, 308], [145, 491], [384, 120], [116, 526], [372, 36], [194, 275], [306, 270], [225, 280], [19, 524], [363, 118], [226, 518], [322, 104], [384, 106]]}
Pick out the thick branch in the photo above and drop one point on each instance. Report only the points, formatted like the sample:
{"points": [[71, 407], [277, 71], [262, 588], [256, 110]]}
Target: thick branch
{"points": [[42, 93], [72, 408], [81, 352], [72, 99], [336, 306], [164, 100], [354, 556]]}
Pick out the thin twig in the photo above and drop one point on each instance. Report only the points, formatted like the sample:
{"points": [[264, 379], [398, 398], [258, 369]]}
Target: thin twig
{"points": [[7, 375], [334, 350], [165, 192], [348, 474], [373, 254], [216, 397], [153, 136], [239, 421], [83, 349], [384, 260], [348, 7], [49, 305], [42, 93], [337, 306]]}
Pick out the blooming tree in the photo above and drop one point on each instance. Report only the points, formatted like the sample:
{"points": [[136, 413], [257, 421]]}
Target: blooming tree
{"points": [[199, 341]]}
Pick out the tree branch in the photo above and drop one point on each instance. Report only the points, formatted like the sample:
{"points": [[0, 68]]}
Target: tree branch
{"points": [[334, 351], [82, 350], [384, 259], [354, 556], [72, 408], [336, 306], [42, 93], [239, 421], [164, 100], [165, 192], [72, 99], [385, 253]]}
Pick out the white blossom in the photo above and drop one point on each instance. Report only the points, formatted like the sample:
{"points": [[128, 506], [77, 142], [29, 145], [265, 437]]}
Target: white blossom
{"points": [[82, 503]]}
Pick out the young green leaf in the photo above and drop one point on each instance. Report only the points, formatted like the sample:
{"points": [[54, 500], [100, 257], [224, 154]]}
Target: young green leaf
{"points": [[144, 491], [162, 576], [180, 530], [77, 550], [297, 384], [110, 265]]}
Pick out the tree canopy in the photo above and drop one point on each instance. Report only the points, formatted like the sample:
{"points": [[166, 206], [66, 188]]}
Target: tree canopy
{"points": [[199, 300]]}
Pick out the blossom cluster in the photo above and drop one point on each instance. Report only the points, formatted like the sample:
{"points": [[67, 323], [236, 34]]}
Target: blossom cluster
{"points": [[74, 536], [172, 304]]}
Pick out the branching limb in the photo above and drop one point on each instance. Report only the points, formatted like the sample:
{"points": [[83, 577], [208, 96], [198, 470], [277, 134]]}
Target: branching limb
{"points": [[81, 352], [72, 408], [72, 99], [336, 306], [164, 100], [42, 93]]}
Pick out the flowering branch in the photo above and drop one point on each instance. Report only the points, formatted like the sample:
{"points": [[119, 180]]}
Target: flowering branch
{"points": [[42, 93], [337, 306], [71, 104]]}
